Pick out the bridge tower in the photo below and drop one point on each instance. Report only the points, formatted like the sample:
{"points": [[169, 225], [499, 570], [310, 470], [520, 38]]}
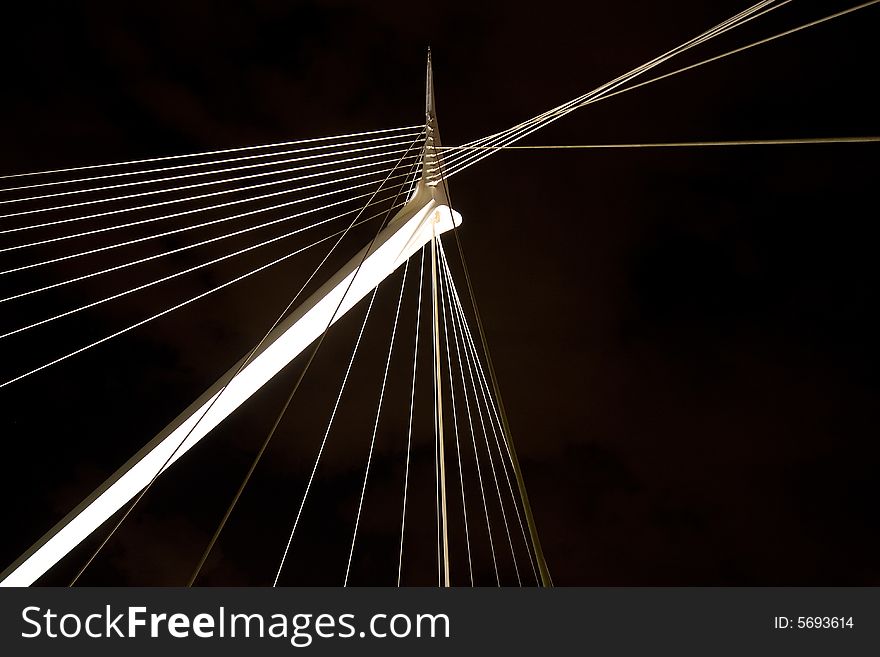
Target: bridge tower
{"points": [[425, 215]]}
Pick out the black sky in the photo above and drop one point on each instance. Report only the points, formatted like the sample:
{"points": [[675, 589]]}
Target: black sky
{"points": [[685, 339]]}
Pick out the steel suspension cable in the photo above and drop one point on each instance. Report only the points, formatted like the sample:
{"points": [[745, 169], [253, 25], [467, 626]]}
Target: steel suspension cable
{"points": [[753, 12], [324, 440], [672, 144], [205, 153], [187, 199], [444, 289], [437, 512], [699, 64], [523, 129], [99, 215], [301, 376], [546, 580], [439, 466], [244, 362], [177, 231], [186, 247], [741, 49], [485, 432], [376, 425], [491, 410], [169, 277], [476, 451], [519, 132], [182, 304], [412, 401], [211, 172]]}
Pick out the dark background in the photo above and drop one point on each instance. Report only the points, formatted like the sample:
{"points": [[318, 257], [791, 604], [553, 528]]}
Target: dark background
{"points": [[685, 339]]}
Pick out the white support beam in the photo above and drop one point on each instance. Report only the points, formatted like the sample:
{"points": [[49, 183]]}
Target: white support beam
{"points": [[410, 229], [426, 214]]}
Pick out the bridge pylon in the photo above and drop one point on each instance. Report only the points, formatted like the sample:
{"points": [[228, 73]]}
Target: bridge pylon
{"points": [[425, 215]]}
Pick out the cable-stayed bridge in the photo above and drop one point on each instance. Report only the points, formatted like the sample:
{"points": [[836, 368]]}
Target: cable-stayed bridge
{"points": [[393, 184]]}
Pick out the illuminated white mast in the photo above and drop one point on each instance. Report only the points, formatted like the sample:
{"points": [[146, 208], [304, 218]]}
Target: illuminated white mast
{"points": [[425, 215]]}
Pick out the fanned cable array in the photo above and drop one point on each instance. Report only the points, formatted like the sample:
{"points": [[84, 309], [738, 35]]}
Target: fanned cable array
{"points": [[458, 158], [102, 225], [488, 515]]}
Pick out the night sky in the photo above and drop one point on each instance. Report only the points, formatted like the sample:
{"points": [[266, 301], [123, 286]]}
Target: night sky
{"points": [[686, 339]]}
